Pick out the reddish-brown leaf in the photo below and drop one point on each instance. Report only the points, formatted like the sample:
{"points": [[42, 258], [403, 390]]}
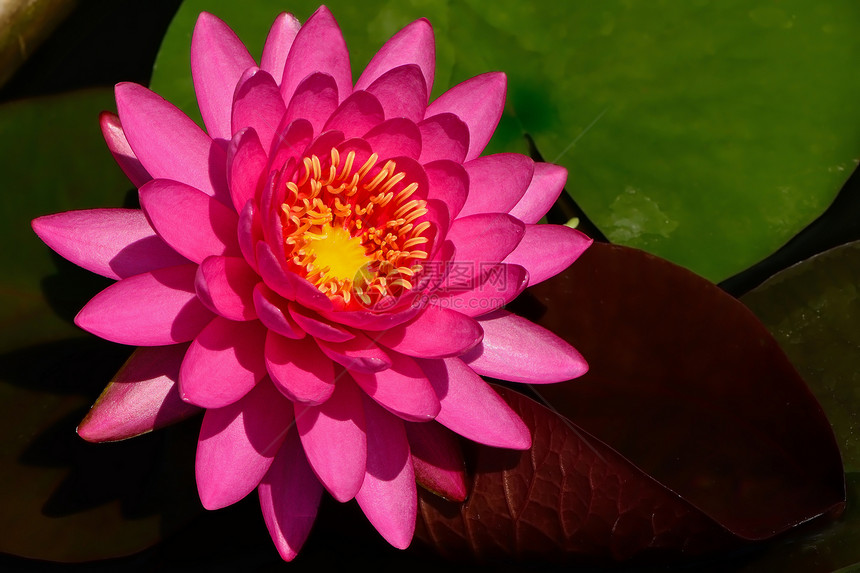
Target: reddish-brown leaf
{"points": [[570, 496], [690, 432]]}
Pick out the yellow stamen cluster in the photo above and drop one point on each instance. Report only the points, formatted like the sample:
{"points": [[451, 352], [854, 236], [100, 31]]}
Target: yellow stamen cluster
{"points": [[351, 230]]}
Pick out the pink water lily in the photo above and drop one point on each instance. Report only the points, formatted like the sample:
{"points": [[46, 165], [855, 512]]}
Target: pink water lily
{"points": [[323, 270]]}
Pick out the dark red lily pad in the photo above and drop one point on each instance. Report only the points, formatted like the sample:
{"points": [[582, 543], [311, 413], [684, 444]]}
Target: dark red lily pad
{"points": [[690, 422], [570, 496]]}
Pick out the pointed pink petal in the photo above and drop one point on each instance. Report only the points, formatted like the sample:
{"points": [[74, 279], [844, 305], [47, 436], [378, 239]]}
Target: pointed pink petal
{"points": [[434, 333], [190, 221], [272, 310], [168, 144], [401, 92], [299, 369], [520, 351], [496, 285], [290, 494], [395, 137], [115, 243], [472, 408], [317, 326], [238, 443], [497, 182], [479, 102], [318, 47], [218, 58], [545, 187], [143, 396], [359, 354], [278, 43], [223, 363], [388, 496], [246, 166], [258, 104], [156, 308], [226, 286], [121, 150], [414, 44], [315, 100], [546, 250], [358, 114], [485, 237], [438, 460], [443, 136], [449, 183], [403, 389], [334, 439]]}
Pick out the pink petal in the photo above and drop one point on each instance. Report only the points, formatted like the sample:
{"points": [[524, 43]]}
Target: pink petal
{"points": [[315, 99], [258, 104], [156, 308], [317, 326], [218, 58], [438, 460], [143, 396], [546, 250], [168, 144], [318, 47], [290, 143], [434, 333], [443, 136], [359, 354], [226, 286], [403, 389], [334, 439], [358, 114], [485, 237], [121, 150], [497, 182], [414, 44], [395, 137], [495, 286], [278, 43], [299, 369], [479, 102], [271, 309], [449, 183], [246, 166], [367, 320], [545, 187], [387, 496], [238, 443], [223, 363], [520, 351], [115, 243], [289, 497], [191, 222], [471, 408], [402, 92]]}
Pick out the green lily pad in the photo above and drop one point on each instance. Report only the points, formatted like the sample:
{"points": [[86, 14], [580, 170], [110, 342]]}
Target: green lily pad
{"points": [[708, 133], [812, 309]]}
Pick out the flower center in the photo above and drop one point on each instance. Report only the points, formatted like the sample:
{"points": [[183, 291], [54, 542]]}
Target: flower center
{"points": [[353, 231]]}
